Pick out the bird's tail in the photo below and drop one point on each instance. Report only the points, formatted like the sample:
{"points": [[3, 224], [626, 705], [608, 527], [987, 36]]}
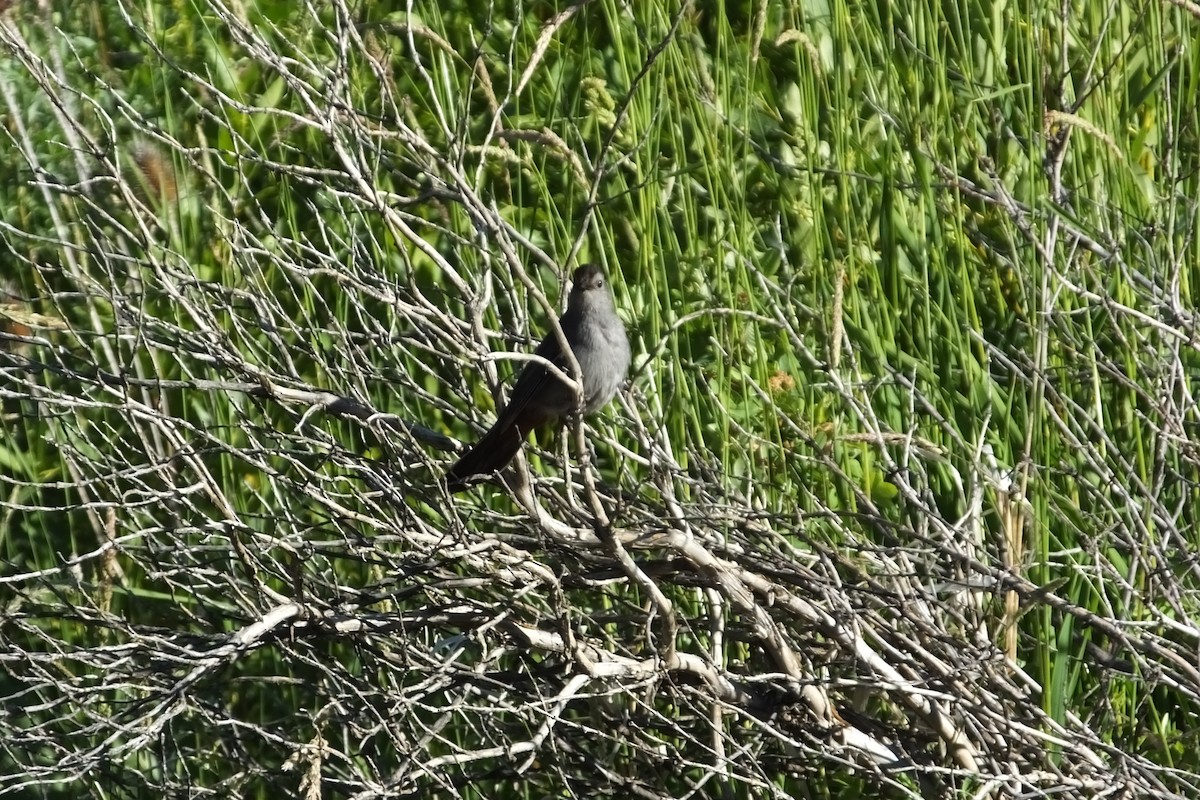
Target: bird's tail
{"points": [[488, 455]]}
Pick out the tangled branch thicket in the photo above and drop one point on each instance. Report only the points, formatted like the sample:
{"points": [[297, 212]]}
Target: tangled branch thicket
{"points": [[228, 370]]}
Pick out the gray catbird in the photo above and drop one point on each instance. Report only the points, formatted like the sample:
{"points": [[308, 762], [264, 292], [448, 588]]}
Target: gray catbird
{"points": [[596, 337]]}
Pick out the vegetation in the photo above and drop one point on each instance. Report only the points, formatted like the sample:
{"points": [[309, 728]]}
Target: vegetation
{"points": [[900, 502]]}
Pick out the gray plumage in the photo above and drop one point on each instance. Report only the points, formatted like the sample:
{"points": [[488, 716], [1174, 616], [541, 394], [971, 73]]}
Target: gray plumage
{"points": [[597, 338]]}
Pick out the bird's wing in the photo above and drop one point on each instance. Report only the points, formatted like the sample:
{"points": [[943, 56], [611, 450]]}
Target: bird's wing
{"points": [[539, 390]]}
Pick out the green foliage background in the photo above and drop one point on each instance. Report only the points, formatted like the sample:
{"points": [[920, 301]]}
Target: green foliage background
{"points": [[892, 271]]}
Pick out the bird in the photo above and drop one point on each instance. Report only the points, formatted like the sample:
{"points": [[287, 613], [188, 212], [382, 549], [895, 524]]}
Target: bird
{"points": [[599, 343]]}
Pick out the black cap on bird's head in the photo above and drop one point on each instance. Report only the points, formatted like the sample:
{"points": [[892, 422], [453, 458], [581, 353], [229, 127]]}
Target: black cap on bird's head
{"points": [[587, 277]]}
